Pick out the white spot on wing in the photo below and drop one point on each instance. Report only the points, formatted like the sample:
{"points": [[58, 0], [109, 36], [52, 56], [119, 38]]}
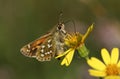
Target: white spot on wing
{"points": [[42, 50], [49, 45], [42, 55], [28, 50], [50, 51], [46, 53], [28, 46], [49, 40], [43, 46]]}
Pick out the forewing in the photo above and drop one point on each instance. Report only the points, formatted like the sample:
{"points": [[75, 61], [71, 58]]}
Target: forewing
{"points": [[30, 49], [46, 50]]}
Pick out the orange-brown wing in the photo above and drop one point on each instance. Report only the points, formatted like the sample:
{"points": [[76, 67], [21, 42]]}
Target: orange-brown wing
{"points": [[31, 49], [46, 50]]}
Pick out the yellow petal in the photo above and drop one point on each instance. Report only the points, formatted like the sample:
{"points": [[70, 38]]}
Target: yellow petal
{"points": [[68, 58], [114, 55], [112, 77], [97, 73], [118, 63], [96, 64], [105, 56], [64, 61], [87, 33], [64, 53]]}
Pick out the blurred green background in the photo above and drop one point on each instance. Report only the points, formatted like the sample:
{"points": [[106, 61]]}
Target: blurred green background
{"points": [[22, 21]]}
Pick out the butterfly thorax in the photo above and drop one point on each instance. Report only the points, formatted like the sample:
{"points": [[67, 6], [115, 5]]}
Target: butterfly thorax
{"points": [[59, 42]]}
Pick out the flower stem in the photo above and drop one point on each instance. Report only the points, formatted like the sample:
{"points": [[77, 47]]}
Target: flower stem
{"points": [[83, 51]]}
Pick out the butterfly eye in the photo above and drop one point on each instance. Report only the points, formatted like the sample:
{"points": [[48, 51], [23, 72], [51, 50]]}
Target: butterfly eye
{"points": [[59, 27]]}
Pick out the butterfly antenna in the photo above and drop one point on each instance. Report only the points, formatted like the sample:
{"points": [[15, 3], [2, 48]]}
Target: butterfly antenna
{"points": [[60, 17]]}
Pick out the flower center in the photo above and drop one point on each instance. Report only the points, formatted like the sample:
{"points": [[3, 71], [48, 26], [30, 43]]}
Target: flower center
{"points": [[73, 40], [112, 69]]}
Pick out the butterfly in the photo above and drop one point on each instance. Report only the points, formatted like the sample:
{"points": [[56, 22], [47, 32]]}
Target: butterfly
{"points": [[47, 46]]}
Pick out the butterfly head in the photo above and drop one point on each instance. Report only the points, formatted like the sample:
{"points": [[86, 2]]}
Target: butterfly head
{"points": [[61, 27]]}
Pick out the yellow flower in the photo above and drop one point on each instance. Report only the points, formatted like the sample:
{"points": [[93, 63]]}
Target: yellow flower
{"points": [[110, 69], [75, 41]]}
